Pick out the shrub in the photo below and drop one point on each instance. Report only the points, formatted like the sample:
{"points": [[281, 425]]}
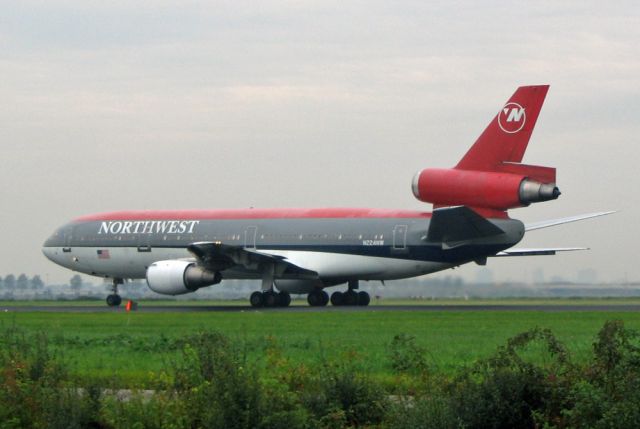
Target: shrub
{"points": [[162, 410], [219, 387], [508, 391], [406, 356], [35, 390], [341, 394], [215, 385], [608, 392], [431, 411]]}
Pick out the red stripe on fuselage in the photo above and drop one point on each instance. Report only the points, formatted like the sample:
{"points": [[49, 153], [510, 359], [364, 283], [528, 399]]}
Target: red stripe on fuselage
{"points": [[253, 214]]}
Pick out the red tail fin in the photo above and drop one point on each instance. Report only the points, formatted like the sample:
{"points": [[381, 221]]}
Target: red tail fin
{"points": [[505, 139]]}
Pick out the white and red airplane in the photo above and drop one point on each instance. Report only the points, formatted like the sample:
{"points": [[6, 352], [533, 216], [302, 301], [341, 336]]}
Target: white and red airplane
{"points": [[307, 250]]}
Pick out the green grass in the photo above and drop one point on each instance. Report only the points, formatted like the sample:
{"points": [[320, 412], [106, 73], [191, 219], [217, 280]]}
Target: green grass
{"points": [[136, 347]]}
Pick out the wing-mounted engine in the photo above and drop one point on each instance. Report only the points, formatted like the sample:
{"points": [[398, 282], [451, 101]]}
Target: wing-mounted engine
{"points": [[177, 277], [496, 190]]}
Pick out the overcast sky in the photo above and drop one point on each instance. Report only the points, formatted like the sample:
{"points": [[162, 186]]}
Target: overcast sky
{"points": [[187, 104]]}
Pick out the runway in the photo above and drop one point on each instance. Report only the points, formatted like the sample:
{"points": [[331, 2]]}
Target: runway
{"points": [[151, 308]]}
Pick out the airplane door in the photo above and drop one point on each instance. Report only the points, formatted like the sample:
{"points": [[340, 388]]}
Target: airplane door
{"points": [[400, 237], [250, 237]]}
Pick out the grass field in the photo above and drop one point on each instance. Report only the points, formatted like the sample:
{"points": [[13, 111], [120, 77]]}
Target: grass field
{"points": [[136, 347]]}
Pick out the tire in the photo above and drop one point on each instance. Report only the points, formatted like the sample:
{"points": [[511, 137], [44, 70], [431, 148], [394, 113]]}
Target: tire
{"points": [[271, 299], [325, 298], [337, 299], [256, 299], [113, 300], [315, 298], [363, 298], [284, 299], [350, 298]]}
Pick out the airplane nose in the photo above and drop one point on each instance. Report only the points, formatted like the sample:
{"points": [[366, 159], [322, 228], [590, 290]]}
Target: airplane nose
{"points": [[52, 246], [50, 253]]}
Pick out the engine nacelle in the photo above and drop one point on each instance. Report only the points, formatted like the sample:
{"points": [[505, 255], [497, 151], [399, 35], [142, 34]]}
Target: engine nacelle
{"points": [[177, 277], [492, 190]]}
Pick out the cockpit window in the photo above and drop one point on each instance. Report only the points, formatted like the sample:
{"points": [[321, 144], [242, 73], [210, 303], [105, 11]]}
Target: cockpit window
{"points": [[56, 239]]}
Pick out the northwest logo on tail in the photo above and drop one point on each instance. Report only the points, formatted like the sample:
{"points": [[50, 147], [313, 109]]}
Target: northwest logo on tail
{"points": [[512, 118]]}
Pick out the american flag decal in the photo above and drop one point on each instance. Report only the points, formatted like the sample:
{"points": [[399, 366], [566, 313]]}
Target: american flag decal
{"points": [[103, 254]]}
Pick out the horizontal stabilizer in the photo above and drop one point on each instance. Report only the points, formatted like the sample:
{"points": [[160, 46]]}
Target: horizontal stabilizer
{"points": [[457, 225], [553, 222], [538, 252]]}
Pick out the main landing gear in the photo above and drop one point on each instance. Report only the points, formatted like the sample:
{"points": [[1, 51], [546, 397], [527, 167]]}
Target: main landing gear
{"points": [[114, 300], [270, 298], [351, 297], [320, 298]]}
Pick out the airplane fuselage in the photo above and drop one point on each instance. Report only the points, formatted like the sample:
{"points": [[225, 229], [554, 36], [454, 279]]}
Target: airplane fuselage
{"points": [[338, 244]]}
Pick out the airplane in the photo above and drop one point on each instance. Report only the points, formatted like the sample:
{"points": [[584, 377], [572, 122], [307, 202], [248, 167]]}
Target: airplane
{"points": [[304, 251]]}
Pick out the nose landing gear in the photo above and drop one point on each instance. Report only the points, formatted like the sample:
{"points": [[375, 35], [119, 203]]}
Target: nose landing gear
{"points": [[114, 300]]}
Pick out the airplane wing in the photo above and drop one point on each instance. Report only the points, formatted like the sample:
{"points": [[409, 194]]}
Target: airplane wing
{"points": [[553, 222], [218, 257], [455, 226], [536, 252]]}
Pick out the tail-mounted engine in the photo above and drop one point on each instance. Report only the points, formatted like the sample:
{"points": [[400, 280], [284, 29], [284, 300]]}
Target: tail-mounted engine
{"points": [[517, 185], [490, 176]]}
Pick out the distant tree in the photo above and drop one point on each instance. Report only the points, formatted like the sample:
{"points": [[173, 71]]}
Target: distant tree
{"points": [[76, 283], [1, 282], [23, 282], [36, 283], [10, 282]]}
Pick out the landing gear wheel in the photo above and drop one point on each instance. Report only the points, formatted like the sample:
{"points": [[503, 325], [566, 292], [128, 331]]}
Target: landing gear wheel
{"points": [[270, 298], [256, 299], [114, 300], [318, 298], [325, 298], [284, 299], [337, 299], [314, 298], [363, 298], [350, 298]]}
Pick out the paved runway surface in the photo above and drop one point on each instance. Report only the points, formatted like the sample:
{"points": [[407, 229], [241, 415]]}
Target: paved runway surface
{"points": [[150, 308]]}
